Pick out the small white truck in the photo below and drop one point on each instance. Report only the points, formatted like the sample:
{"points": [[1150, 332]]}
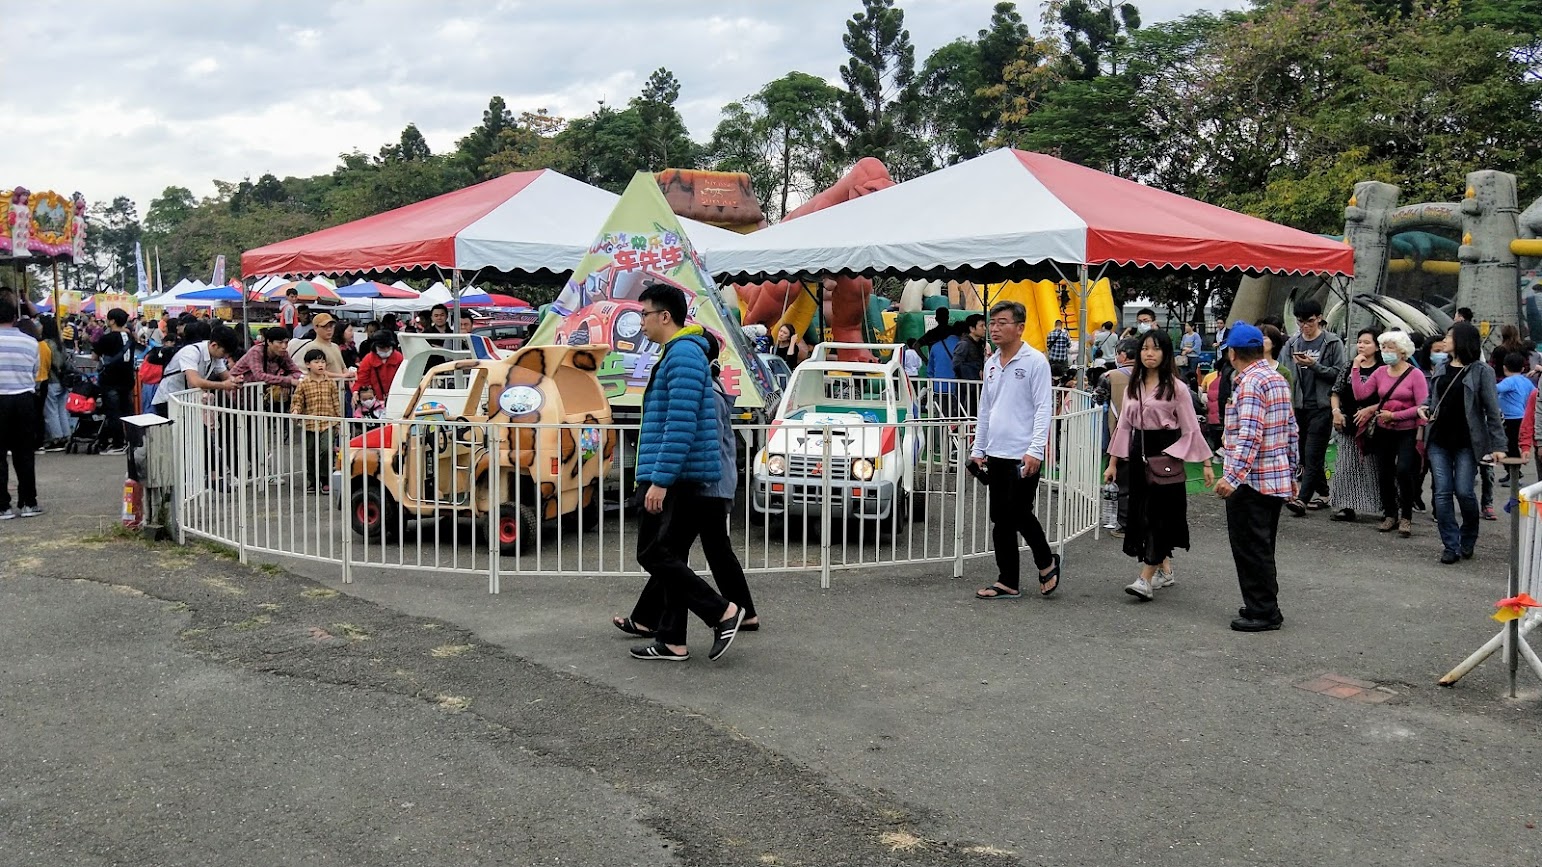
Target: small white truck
{"points": [[840, 442]]}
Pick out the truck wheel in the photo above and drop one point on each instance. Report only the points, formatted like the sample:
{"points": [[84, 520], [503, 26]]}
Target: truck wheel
{"points": [[374, 511], [516, 528], [915, 504]]}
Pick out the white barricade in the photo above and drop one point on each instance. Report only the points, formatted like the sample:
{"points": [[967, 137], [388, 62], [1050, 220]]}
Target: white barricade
{"points": [[419, 494], [1525, 577]]}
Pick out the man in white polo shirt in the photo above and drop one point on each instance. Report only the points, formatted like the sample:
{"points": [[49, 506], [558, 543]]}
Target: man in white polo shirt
{"points": [[1016, 410], [19, 361]]}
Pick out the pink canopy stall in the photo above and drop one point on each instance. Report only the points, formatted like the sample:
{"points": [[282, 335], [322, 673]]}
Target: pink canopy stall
{"points": [[521, 222], [1012, 207]]}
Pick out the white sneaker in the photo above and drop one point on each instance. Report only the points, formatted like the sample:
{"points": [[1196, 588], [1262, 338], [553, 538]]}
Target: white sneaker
{"points": [[7, 515], [30, 511], [1140, 589], [1110, 525], [1162, 579], [115, 450]]}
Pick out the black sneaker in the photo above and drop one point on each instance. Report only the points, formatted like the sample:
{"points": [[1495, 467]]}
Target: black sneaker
{"points": [[724, 634], [1449, 557], [659, 651], [1466, 553], [1249, 624]]}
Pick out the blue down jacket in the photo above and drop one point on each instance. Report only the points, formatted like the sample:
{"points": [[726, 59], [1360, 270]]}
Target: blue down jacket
{"points": [[679, 439]]}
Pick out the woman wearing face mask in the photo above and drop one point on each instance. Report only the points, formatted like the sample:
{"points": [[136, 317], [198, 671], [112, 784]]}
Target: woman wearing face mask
{"points": [[1355, 486], [378, 366], [1393, 425], [1465, 425]]}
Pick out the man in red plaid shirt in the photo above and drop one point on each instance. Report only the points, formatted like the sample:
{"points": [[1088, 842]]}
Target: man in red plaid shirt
{"points": [[1260, 452]]}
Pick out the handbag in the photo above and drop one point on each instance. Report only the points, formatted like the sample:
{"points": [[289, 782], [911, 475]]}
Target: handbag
{"points": [[1160, 469]]}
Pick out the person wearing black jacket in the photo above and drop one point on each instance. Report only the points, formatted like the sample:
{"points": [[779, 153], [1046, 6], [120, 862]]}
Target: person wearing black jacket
{"points": [[115, 376]]}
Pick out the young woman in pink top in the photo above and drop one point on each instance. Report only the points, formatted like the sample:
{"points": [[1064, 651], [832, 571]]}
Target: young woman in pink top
{"points": [[1157, 419], [1400, 391]]}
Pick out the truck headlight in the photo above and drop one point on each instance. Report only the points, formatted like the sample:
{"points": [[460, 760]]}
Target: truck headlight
{"points": [[776, 465], [862, 469]]}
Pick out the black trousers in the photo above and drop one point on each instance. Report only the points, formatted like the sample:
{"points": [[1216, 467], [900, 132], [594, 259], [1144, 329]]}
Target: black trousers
{"points": [[1397, 471], [711, 521], [117, 402], [18, 439], [1252, 525], [1012, 498], [1316, 428], [663, 544]]}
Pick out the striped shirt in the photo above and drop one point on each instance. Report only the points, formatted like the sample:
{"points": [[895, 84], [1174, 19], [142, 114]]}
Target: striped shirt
{"points": [[1260, 446], [19, 362]]}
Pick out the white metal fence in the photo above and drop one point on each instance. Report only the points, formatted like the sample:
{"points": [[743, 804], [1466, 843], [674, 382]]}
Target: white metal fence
{"points": [[422, 495]]}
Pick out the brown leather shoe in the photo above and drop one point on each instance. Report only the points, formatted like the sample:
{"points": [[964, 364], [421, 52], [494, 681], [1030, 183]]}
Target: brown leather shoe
{"points": [[1387, 525], [1405, 528]]}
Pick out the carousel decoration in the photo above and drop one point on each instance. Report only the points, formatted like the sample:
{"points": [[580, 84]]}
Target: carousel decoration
{"points": [[43, 226]]}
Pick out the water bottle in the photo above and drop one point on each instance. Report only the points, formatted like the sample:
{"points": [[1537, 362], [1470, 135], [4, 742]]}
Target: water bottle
{"points": [[1110, 506]]}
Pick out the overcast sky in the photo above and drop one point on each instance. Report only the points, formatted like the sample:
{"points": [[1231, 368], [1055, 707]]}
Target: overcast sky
{"points": [[112, 97]]}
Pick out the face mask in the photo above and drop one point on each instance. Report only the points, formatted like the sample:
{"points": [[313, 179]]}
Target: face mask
{"points": [[1389, 358], [383, 353], [1439, 357], [1143, 327]]}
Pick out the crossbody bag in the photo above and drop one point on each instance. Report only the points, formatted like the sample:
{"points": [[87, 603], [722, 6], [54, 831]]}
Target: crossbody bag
{"points": [[1161, 469]]}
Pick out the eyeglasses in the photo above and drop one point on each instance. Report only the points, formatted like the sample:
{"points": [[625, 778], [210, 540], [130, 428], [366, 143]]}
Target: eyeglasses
{"points": [[1004, 323], [647, 313]]}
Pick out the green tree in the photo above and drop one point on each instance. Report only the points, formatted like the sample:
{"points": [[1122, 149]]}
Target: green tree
{"points": [[880, 108], [665, 142], [1096, 34], [604, 148], [473, 151], [531, 144], [410, 147], [782, 138], [114, 229]]}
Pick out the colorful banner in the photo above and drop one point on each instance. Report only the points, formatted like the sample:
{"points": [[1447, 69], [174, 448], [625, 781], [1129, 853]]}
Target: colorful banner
{"points": [[642, 240], [219, 271], [105, 301], [141, 279]]}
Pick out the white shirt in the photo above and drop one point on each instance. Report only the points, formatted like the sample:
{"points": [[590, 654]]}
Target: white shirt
{"points": [[912, 362], [1016, 406], [194, 356]]}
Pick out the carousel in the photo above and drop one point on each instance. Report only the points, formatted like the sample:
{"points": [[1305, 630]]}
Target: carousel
{"points": [[41, 229]]}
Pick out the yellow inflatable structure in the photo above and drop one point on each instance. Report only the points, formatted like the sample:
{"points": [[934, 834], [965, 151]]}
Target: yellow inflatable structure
{"points": [[1049, 300]]}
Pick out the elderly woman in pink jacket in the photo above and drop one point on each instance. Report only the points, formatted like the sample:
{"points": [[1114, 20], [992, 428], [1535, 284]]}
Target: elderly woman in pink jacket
{"points": [[1157, 432]]}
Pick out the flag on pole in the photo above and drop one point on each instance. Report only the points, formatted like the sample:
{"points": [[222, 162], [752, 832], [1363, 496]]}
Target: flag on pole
{"points": [[219, 271], [141, 279], [160, 284]]}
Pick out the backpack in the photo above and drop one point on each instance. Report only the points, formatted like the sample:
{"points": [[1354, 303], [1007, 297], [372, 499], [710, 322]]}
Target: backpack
{"points": [[153, 368]]}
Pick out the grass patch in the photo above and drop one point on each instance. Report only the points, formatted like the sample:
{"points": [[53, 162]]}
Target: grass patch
{"points": [[191, 633], [179, 608], [352, 632], [252, 623], [113, 533], [270, 569], [269, 606], [224, 552], [429, 626], [27, 564], [448, 651], [318, 593], [452, 703], [989, 850], [901, 841], [222, 584]]}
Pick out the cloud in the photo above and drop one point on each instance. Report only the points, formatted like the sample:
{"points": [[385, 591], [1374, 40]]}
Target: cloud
{"points": [[139, 96]]}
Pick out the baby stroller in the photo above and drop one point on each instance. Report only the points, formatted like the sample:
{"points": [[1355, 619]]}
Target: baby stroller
{"points": [[84, 404]]}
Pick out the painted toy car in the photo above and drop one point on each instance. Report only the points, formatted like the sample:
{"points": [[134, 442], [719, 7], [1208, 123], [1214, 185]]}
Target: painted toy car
{"points": [[840, 440], [531, 427]]}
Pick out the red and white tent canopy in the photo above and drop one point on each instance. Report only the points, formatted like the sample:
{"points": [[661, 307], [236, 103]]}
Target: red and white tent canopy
{"points": [[1009, 207], [525, 221]]}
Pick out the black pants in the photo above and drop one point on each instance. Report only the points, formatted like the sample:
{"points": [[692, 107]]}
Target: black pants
{"points": [[711, 521], [1316, 428], [117, 401], [1397, 471], [1252, 524], [1012, 498], [18, 438], [663, 543]]}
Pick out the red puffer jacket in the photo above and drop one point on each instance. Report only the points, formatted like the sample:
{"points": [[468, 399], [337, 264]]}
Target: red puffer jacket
{"points": [[378, 373]]}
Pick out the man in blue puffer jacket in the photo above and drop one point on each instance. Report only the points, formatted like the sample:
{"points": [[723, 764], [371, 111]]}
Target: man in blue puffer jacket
{"points": [[676, 455]]}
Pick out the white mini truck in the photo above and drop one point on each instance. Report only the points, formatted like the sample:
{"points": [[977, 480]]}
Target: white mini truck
{"points": [[840, 441]]}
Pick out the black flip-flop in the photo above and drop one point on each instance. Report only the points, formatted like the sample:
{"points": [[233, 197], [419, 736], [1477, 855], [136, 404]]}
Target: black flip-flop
{"points": [[1054, 575], [996, 593], [626, 625]]}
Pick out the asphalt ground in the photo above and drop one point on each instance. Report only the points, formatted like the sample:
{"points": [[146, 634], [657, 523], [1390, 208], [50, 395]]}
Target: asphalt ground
{"points": [[172, 706]]}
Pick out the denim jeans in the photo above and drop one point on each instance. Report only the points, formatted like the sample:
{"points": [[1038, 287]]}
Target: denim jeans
{"points": [[1455, 473], [56, 421]]}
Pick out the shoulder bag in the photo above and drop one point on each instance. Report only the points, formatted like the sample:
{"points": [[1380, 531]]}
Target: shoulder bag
{"points": [[1369, 434], [1160, 469]]}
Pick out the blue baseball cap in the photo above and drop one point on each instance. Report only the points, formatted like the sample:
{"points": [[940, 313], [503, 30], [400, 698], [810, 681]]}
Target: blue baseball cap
{"points": [[1244, 336]]}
